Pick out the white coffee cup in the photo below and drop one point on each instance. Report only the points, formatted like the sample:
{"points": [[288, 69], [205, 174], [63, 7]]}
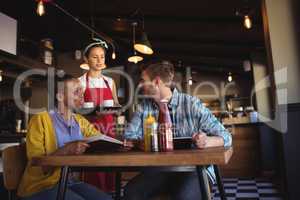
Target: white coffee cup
{"points": [[88, 104], [108, 103], [253, 116]]}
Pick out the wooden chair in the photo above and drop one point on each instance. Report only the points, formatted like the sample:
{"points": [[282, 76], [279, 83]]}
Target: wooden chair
{"points": [[14, 163]]}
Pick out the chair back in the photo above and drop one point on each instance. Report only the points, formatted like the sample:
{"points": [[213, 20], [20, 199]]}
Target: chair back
{"points": [[14, 163]]}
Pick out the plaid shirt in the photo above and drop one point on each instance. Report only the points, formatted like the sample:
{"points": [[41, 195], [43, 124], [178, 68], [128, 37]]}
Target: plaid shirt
{"points": [[188, 115]]}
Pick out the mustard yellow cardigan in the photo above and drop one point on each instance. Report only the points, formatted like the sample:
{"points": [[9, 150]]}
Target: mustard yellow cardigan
{"points": [[41, 140]]}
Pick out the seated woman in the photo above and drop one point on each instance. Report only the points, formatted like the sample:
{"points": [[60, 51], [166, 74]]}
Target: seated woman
{"points": [[58, 132]]}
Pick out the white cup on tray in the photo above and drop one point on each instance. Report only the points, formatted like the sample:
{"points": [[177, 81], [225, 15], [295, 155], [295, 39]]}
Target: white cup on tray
{"points": [[108, 103], [88, 105]]}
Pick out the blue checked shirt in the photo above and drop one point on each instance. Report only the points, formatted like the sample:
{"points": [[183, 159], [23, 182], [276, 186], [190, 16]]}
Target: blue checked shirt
{"points": [[188, 115]]}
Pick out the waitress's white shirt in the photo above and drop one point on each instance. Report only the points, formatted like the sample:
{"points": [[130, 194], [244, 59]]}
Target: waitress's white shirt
{"points": [[97, 82]]}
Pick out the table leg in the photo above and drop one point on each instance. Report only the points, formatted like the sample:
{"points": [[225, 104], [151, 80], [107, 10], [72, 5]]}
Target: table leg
{"points": [[220, 183], [11, 195], [203, 182], [118, 186], [62, 186]]}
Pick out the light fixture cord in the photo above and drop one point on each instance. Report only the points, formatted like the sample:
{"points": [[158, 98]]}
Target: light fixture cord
{"points": [[92, 16], [143, 21], [102, 35], [133, 34]]}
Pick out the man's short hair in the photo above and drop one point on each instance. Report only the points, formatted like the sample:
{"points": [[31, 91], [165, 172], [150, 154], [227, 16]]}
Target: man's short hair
{"points": [[60, 81], [163, 69]]}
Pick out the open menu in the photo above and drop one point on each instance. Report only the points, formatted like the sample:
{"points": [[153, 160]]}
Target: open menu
{"points": [[103, 143]]}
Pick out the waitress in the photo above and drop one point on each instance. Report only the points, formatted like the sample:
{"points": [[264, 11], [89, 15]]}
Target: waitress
{"points": [[101, 90]]}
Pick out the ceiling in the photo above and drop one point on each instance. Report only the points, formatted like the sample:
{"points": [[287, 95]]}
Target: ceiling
{"points": [[202, 34]]}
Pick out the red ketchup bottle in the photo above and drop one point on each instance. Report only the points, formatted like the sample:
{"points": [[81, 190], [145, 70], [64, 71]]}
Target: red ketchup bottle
{"points": [[165, 135]]}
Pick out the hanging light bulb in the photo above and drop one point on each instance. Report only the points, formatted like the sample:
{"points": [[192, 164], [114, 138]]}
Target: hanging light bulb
{"points": [[143, 45], [134, 58], [113, 55], [229, 77], [190, 81], [0, 75], [40, 8], [247, 22]]}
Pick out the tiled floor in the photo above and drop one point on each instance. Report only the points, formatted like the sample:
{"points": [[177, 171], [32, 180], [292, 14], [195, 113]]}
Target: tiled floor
{"points": [[250, 189], [246, 189]]}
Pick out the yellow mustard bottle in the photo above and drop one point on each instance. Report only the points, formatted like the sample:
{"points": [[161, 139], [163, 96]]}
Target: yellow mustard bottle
{"points": [[149, 128]]}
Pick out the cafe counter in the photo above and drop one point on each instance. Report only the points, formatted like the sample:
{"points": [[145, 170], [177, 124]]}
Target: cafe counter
{"points": [[246, 161]]}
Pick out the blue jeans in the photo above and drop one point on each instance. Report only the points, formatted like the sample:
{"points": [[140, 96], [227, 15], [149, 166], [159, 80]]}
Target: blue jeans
{"points": [[75, 191], [177, 185]]}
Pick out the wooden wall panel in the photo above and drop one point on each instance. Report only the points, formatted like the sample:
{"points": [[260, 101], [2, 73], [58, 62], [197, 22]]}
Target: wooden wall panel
{"points": [[245, 161]]}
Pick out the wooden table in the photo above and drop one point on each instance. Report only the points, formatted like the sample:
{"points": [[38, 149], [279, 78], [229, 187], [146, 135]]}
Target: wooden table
{"points": [[197, 158]]}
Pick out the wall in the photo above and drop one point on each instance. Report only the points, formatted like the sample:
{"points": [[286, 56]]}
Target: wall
{"points": [[39, 98], [284, 46], [240, 86], [209, 86], [67, 62], [282, 25], [262, 90], [5, 91], [268, 145]]}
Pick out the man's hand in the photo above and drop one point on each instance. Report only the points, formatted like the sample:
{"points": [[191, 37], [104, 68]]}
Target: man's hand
{"points": [[200, 140], [73, 148], [134, 144], [128, 144]]}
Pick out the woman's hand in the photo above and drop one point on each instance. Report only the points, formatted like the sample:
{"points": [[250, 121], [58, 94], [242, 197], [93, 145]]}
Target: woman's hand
{"points": [[72, 148]]}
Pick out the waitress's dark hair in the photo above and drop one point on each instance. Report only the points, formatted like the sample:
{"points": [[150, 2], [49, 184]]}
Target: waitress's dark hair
{"points": [[95, 43]]}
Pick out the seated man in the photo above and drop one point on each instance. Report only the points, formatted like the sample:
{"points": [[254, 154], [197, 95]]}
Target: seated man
{"points": [[190, 118], [58, 132]]}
